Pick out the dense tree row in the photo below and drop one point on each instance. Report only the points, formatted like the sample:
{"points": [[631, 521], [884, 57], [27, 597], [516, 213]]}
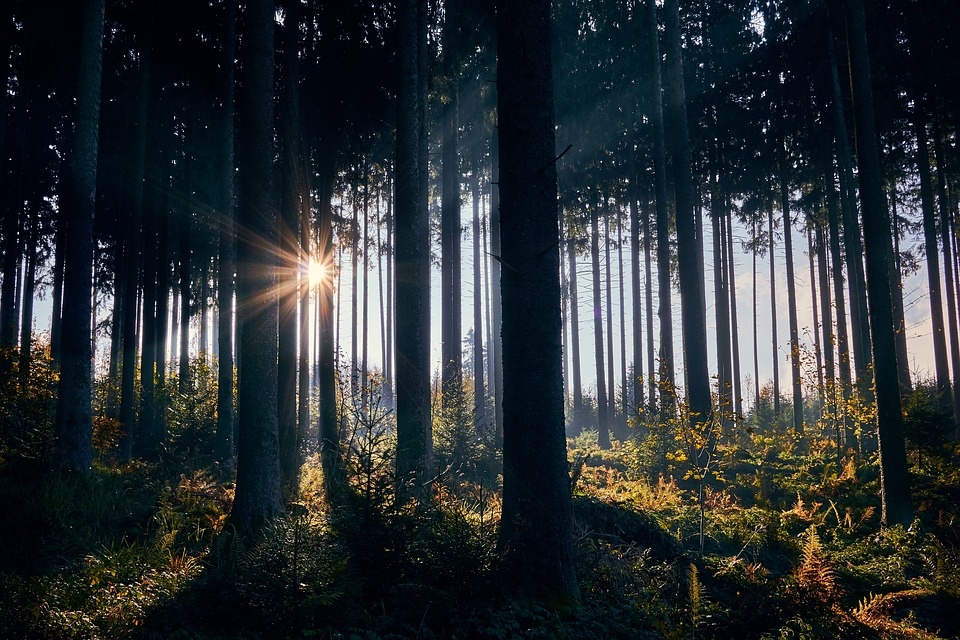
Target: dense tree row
{"points": [[226, 179]]}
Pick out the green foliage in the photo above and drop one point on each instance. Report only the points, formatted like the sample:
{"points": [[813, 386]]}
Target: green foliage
{"points": [[192, 414], [28, 411]]}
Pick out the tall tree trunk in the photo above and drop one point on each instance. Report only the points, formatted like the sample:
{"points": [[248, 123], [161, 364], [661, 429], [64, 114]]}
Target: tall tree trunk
{"points": [[689, 262], [624, 385], [184, 297], [665, 375], [896, 507], [826, 310], [29, 284], [773, 317], [843, 344], [896, 296], [611, 378], [258, 496], [226, 285], [791, 296], [635, 295], [289, 221], [734, 324], [652, 378], [860, 325], [576, 378], [535, 545], [949, 280], [451, 371], [497, 300], [414, 428], [721, 295], [933, 259], [603, 423], [815, 307], [74, 411], [478, 385]]}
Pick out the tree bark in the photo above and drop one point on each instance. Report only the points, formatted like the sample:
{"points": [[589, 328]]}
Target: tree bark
{"points": [[74, 411], [414, 428], [603, 421], [535, 545], [896, 507], [689, 262], [258, 497]]}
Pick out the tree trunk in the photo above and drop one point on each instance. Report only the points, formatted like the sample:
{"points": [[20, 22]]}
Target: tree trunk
{"points": [[576, 378], [896, 295], [288, 288], [414, 428], [689, 262], [611, 378], [949, 280], [896, 507], [734, 324], [226, 285], [451, 370], [74, 411], [535, 544], [478, 384], [666, 375], [603, 424], [791, 297], [258, 496], [815, 307], [933, 260], [635, 295], [773, 318]]}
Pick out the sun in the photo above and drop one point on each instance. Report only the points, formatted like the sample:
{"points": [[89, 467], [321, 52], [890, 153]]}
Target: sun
{"points": [[316, 272]]}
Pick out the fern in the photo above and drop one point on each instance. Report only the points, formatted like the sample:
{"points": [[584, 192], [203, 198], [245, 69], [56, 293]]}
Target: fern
{"points": [[815, 576]]}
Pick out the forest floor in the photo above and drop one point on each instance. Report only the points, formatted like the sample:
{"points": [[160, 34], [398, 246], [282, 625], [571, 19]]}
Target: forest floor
{"points": [[773, 543]]}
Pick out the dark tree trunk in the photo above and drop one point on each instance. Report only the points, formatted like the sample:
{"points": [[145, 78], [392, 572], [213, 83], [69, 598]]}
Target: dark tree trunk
{"points": [[414, 428], [791, 297], [608, 307], [894, 478], [826, 310], [226, 284], [635, 295], [496, 302], [603, 422], [74, 411], [815, 307], [860, 324], [689, 262], [258, 497], [287, 276], [942, 367], [575, 375], [535, 544], [666, 375], [949, 280], [479, 394], [773, 317], [734, 324], [843, 345], [451, 370], [29, 284], [896, 296]]}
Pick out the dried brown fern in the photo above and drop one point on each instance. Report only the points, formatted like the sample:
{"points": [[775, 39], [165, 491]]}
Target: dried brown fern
{"points": [[815, 577]]}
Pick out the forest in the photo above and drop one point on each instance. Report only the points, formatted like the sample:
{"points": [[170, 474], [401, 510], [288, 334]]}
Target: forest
{"points": [[480, 319]]}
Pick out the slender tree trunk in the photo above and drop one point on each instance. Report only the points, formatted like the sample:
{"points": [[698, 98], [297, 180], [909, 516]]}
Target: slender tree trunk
{"points": [[773, 317], [949, 280], [535, 543], [852, 242], [689, 262], [226, 285], [635, 295], [652, 378], [756, 349], [721, 297], [611, 378], [734, 324], [896, 295], [624, 386], [826, 310], [894, 478], [26, 324], [496, 293], [74, 411], [451, 371], [933, 260], [815, 307], [258, 496], [843, 344], [666, 375], [287, 275], [603, 424], [791, 298], [478, 384], [577, 382]]}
